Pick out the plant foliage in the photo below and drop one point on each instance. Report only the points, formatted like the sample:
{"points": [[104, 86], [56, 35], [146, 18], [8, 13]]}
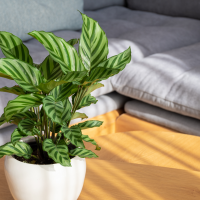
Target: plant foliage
{"points": [[42, 109]]}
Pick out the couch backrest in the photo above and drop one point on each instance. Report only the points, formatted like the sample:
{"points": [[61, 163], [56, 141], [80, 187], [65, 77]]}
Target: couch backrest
{"points": [[177, 8], [98, 4]]}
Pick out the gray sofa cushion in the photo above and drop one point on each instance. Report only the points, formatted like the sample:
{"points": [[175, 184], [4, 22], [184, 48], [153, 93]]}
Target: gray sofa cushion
{"points": [[178, 8], [163, 117], [98, 4], [149, 32], [22, 16], [168, 80]]}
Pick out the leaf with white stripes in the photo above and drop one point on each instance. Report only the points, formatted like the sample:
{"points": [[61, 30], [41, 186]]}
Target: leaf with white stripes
{"points": [[17, 135], [62, 92], [74, 135], [74, 76], [22, 104], [54, 109], [14, 90], [87, 101], [27, 126], [88, 139], [66, 115], [90, 124], [13, 47], [93, 47], [60, 51], [110, 67], [58, 152], [20, 149], [79, 115], [83, 153], [25, 75]]}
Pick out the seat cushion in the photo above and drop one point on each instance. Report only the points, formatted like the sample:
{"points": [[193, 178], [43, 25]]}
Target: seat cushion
{"points": [[159, 116], [22, 16], [149, 32], [168, 80], [94, 5], [178, 8]]}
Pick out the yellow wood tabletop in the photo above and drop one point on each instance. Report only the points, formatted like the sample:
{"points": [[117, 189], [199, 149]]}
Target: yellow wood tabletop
{"points": [[113, 180], [166, 149]]}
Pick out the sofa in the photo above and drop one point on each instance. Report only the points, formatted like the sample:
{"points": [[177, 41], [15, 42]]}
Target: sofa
{"points": [[161, 83]]}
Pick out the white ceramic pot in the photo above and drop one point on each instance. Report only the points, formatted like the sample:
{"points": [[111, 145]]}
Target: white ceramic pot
{"points": [[45, 182]]}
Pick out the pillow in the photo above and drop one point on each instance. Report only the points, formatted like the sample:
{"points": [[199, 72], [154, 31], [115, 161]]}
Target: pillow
{"points": [[177, 8], [98, 4], [22, 16]]}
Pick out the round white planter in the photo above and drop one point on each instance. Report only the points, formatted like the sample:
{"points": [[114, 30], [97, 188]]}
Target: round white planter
{"points": [[45, 182]]}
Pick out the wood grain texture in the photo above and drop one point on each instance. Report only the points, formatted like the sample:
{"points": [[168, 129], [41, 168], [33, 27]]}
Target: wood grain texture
{"points": [[127, 122], [167, 149], [113, 180], [108, 126]]}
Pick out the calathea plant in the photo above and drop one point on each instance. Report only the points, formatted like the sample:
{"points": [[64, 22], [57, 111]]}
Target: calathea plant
{"points": [[43, 109]]}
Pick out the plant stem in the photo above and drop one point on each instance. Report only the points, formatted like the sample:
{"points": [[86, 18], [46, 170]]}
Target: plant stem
{"points": [[53, 131]]}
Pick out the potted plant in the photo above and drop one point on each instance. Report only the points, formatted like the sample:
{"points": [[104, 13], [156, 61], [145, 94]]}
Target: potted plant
{"points": [[50, 164]]}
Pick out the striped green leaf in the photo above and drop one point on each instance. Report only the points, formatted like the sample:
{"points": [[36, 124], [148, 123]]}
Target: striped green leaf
{"points": [[25, 75], [5, 76], [79, 115], [16, 136], [60, 93], [2, 119], [58, 152], [20, 149], [90, 124], [88, 139], [83, 153], [60, 51], [22, 104], [72, 42], [87, 101], [27, 127], [50, 69], [74, 135], [74, 76], [93, 48], [54, 109], [93, 87], [66, 115], [12, 47], [110, 67], [14, 90]]}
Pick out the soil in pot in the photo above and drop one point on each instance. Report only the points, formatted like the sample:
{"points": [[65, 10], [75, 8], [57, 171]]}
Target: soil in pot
{"points": [[41, 161]]}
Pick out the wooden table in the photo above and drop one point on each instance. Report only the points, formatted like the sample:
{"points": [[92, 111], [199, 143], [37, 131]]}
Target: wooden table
{"points": [[114, 176]]}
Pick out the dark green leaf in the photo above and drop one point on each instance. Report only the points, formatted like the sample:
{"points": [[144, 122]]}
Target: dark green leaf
{"points": [[27, 127], [88, 139], [90, 124], [54, 109], [87, 101], [14, 90], [25, 75], [12, 47], [20, 149], [73, 134], [66, 115], [83, 153], [22, 104], [16, 136], [58, 152]]}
